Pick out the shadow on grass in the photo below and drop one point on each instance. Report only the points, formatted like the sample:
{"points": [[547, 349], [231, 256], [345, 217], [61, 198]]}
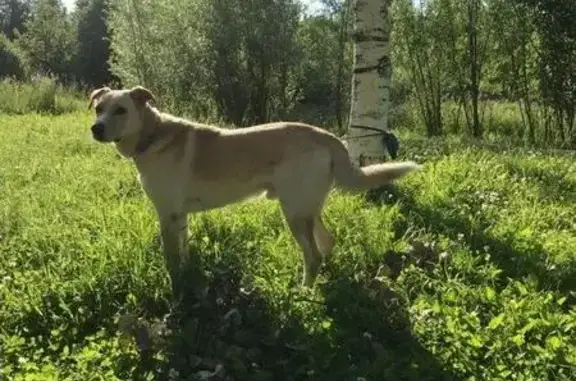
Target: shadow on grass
{"points": [[228, 334], [65, 316], [533, 262], [361, 332], [372, 329]]}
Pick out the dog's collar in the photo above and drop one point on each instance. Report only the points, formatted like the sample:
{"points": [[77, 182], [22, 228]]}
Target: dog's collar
{"points": [[144, 144], [146, 141]]}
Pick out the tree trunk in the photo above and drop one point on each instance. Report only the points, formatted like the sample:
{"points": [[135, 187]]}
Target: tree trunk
{"points": [[370, 81], [343, 34], [474, 70]]}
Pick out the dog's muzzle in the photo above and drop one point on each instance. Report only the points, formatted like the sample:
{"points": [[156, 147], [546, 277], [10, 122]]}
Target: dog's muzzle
{"points": [[98, 132]]}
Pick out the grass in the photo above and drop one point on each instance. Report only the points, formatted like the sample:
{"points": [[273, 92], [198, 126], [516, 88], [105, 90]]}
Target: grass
{"points": [[464, 271], [41, 95], [502, 122]]}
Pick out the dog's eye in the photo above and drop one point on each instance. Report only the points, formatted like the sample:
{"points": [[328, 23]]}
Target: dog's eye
{"points": [[120, 111], [98, 109]]}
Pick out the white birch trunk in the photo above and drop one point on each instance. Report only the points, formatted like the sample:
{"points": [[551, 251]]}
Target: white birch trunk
{"points": [[370, 81]]}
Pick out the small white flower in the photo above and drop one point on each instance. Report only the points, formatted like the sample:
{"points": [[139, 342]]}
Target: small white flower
{"points": [[173, 374]]}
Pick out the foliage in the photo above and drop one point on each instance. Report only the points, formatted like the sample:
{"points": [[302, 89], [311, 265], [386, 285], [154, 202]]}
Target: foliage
{"points": [[247, 77], [516, 45], [253, 78], [11, 61], [465, 271], [47, 40], [325, 71], [469, 51], [93, 54], [557, 64], [417, 53], [247, 62], [13, 14], [171, 61]]}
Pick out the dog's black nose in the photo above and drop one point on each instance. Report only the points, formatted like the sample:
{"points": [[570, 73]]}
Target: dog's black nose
{"points": [[98, 130]]}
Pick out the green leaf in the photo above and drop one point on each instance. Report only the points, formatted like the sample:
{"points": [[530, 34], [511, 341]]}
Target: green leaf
{"points": [[518, 339], [476, 342], [496, 321], [490, 293], [554, 342]]}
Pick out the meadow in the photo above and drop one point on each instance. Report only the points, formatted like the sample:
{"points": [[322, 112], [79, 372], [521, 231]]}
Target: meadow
{"points": [[465, 270]]}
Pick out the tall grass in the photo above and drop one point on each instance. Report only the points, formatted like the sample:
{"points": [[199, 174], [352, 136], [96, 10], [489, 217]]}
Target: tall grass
{"points": [[42, 95], [502, 122]]}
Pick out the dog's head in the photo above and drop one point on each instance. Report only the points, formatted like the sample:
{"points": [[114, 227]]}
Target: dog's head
{"points": [[119, 113]]}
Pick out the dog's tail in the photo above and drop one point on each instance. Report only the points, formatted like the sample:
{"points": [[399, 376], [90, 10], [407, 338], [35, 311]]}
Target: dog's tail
{"points": [[353, 178]]}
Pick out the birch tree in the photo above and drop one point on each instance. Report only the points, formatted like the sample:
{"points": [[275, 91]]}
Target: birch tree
{"points": [[370, 81]]}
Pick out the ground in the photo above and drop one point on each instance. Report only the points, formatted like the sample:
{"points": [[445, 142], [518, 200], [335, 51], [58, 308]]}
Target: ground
{"points": [[465, 270]]}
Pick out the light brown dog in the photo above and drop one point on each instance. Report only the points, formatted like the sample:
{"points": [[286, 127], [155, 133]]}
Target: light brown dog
{"points": [[189, 167]]}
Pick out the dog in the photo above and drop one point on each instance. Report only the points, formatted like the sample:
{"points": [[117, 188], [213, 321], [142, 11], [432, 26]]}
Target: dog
{"points": [[186, 167]]}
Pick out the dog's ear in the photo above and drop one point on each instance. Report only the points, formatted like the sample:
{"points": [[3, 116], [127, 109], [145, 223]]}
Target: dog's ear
{"points": [[97, 94], [141, 95]]}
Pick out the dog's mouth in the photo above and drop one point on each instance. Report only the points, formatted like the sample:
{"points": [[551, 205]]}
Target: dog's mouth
{"points": [[102, 139], [98, 137]]}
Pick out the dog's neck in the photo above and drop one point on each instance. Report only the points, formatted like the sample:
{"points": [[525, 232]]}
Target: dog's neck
{"points": [[138, 144]]}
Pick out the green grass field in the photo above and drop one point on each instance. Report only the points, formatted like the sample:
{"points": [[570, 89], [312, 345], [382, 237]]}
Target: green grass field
{"points": [[466, 270]]}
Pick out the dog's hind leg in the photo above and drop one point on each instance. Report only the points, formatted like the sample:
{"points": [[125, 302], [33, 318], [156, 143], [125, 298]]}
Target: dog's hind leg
{"points": [[324, 239], [302, 228], [302, 211], [301, 187]]}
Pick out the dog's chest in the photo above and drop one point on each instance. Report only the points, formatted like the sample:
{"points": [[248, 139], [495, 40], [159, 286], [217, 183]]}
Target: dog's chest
{"points": [[158, 188], [162, 182]]}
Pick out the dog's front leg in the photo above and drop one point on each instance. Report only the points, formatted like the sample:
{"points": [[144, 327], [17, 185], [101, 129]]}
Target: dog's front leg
{"points": [[174, 229]]}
